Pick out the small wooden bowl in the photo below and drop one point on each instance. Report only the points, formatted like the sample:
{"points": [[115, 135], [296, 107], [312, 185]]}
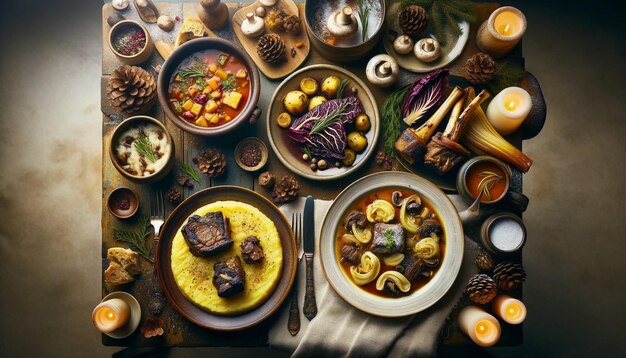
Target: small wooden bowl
{"points": [[119, 194], [140, 56], [262, 147]]}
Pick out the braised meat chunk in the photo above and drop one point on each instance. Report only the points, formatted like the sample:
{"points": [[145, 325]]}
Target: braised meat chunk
{"points": [[207, 235], [228, 277], [351, 253], [251, 250], [388, 238]]}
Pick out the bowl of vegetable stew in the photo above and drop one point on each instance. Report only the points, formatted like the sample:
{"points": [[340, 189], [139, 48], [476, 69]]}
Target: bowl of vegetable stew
{"points": [[209, 87]]}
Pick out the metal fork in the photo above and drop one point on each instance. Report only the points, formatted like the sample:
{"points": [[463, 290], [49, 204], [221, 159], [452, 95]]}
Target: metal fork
{"points": [[293, 324], [157, 212]]}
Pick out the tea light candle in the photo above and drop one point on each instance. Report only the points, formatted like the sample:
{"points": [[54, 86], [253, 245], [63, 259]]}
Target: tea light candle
{"points": [[501, 32], [110, 315], [510, 309], [483, 328], [508, 109]]}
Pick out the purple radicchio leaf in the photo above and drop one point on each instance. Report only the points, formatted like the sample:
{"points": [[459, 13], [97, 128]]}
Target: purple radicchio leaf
{"points": [[424, 95], [331, 141]]}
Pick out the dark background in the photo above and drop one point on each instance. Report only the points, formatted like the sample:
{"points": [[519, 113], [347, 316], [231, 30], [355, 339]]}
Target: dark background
{"points": [[50, 181]]}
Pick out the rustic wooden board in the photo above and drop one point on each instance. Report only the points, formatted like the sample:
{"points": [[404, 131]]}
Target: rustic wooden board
{"points": [[275, 71], [179, 331]]}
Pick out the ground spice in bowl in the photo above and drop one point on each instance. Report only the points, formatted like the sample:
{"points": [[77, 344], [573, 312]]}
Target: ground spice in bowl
{"points": [[129, 40], [250, 154]]}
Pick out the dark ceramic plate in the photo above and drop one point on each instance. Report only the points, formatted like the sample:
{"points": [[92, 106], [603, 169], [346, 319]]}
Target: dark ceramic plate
{"points": [[164, 249]]}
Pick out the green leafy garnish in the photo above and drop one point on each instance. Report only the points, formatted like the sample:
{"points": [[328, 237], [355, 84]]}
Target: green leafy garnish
{"points": [[222, 59], [330, 119], [363, 15], [144, 147], [342, 86], [488, 181], [392, 123], [307, 151], [229, 83], [201, 84], [136, 240], [191, 72], [390, 242], [189, 170], [506, 76]]}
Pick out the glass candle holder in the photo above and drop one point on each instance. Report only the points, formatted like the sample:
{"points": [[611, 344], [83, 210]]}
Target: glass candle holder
{"points": [[499, 34]]}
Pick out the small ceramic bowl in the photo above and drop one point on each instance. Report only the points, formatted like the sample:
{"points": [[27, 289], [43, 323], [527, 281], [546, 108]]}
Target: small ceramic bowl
{"points": [[243, 145], [129, 123], [123, 203], [140, 56]]}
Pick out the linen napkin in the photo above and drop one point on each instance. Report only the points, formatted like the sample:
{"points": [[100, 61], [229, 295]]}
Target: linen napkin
{"points": [[342, 330]]}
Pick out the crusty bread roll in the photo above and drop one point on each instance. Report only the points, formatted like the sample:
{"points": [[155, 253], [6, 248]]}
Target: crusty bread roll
{"points": [[127, 258], [116, 275]]}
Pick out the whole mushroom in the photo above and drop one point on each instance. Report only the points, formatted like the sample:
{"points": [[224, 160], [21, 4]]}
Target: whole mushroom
{"points": [[252, 26], [382, 70], [403, 45], [427, 49], [165, 23], [342, 23]]}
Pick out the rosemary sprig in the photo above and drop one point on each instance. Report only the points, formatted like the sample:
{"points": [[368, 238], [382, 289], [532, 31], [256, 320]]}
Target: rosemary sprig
{"points": [[144, 147], [342, 87], [363, 16], [488, 181], [330, 119], [189, 170], [136, 240], [392, 123], [191, 72], [229, 83], [307, 151]]}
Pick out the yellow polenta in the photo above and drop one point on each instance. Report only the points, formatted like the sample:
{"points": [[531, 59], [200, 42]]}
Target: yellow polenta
{"points": [[194, 275]]}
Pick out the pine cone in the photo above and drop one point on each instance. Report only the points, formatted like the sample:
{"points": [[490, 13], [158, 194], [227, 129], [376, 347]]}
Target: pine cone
{"points": [[266, 180], [173, 196], [484, 261], [271, 48], [508, 275], [481, 289], [413, 20], [285, 190], [211, 162], [131, 90], [291, 24], [480, 68]]}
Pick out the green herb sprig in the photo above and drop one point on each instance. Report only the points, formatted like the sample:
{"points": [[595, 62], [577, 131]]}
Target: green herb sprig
{"points": [[341, 88], [191, 72], [229, 83], [136, 240], [390, 242], [392, 123], [144, 147], [307, 151], [488, 181], [189, 170], [363, 13], [330, 119]]}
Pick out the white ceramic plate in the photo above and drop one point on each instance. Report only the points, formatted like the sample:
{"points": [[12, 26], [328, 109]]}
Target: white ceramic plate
{"points": [[421, 299], [449, 52]]}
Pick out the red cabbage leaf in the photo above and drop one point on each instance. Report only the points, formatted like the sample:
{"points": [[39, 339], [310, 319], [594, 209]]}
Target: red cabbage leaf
{"points": [[424, 96]]}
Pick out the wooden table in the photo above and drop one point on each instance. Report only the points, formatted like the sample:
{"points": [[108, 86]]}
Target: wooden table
{"points": [[179, 331]]}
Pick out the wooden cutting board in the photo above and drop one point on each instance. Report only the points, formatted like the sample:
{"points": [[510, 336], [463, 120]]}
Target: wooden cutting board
{"points": [[274, 71]]}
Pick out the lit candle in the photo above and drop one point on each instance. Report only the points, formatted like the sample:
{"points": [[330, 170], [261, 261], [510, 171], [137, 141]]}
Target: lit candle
{"points": [[110, 315], [510, 309], [480, 326], [501, 32], [508, 109]]}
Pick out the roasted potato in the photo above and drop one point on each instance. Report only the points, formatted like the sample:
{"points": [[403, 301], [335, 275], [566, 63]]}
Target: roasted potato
{"points": [[316, 101], [357, 141], [362, 123], [309, 86], [330, 86], [349, 157], [296, 102]]}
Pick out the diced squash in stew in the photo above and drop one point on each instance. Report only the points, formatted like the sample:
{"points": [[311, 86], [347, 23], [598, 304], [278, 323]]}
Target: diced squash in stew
{"points": [[232, 99], [201, 122], [187, 106], [196, 108]]}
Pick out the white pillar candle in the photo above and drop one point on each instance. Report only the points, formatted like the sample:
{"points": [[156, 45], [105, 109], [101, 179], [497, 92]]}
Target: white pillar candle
{"points": [[483, 328], [508, 109], [110, 315], [501, 32], [510, 309]]}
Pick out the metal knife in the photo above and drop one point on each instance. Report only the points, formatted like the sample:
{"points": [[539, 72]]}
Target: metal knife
{"points": [[310, 307]]}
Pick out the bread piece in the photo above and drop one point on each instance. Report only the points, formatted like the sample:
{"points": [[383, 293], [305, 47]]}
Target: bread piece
{"points": [[192, 28], [127, 258], [116, 275]]}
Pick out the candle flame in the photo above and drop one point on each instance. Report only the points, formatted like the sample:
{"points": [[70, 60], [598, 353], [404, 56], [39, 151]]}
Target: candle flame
{"points": [[505, 29], [511, 106]]}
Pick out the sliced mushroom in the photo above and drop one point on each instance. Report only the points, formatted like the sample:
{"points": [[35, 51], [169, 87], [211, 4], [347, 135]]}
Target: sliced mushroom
{"points": [[408, 213], [355, 217], [396, 198], [429, 227], [398, 279], [414, 204]]}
